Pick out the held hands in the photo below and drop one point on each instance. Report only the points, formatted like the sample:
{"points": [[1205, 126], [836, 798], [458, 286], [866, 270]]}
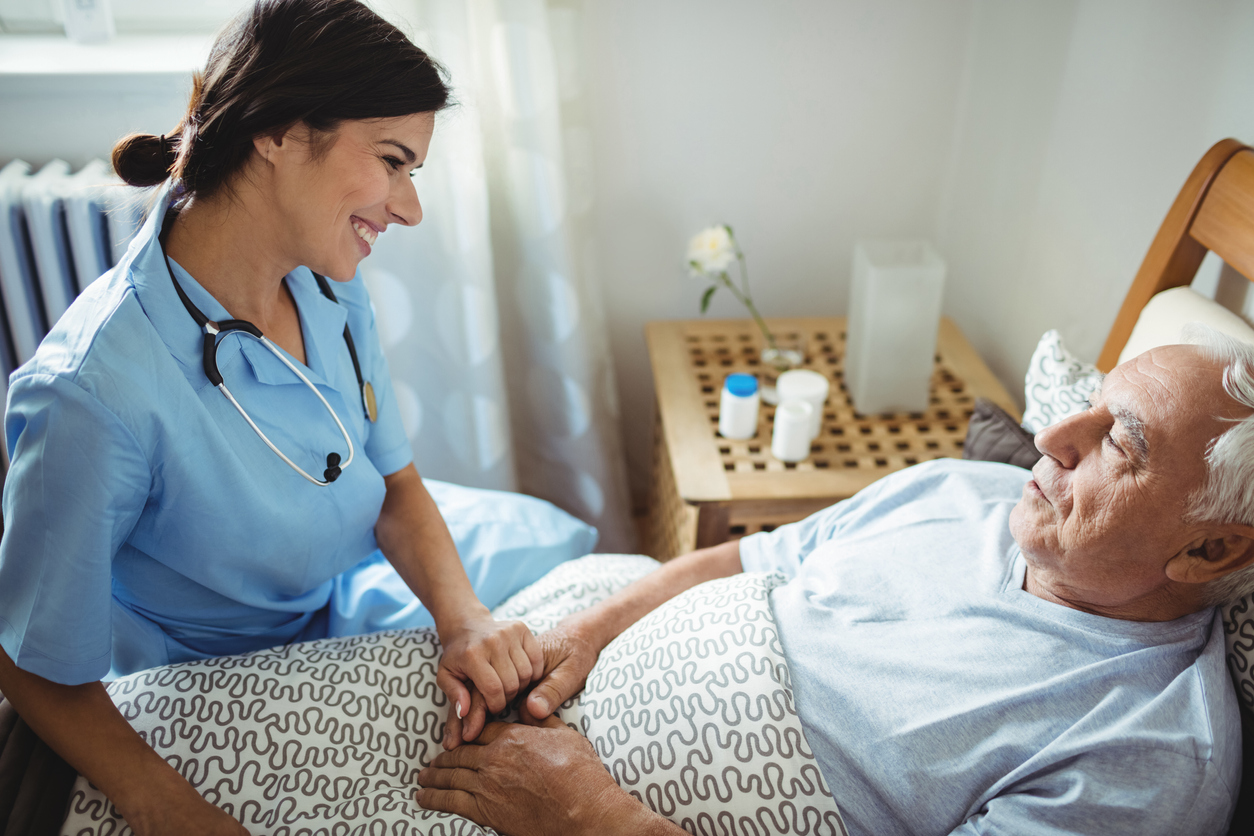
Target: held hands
{"points": [[499, 658], [530, 781], [568, 656]]}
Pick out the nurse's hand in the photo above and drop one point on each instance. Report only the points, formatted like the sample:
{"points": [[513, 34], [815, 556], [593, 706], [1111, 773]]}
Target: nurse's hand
{"points": [[499, 658], [569, 654]]}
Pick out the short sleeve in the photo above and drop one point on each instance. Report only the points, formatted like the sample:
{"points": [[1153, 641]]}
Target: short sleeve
{"points": [[786, 548], [387, 446], [1113, 792], [75, 489]]}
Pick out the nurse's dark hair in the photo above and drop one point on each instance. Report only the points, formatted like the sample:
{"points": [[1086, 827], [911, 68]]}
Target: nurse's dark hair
{"points": [[277, 65]]}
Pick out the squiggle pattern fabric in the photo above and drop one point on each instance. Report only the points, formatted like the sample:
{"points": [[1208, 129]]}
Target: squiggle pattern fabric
{"points": [[1239, 637], [690, 709], [1057, 385]]}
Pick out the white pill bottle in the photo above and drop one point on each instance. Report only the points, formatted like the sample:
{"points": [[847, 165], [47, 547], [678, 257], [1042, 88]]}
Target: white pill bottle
{"points": [[738, 407]]}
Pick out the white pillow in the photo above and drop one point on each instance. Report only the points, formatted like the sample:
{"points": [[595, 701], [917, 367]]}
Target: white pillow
{"points": [[1163, 317]]}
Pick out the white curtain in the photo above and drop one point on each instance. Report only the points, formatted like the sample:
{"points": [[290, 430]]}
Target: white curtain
{"points": [[489, 310]]}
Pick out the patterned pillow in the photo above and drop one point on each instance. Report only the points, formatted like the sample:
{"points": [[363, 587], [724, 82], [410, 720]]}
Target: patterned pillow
{"points": [[691, 709], [1239, 636], [1058, 384]]}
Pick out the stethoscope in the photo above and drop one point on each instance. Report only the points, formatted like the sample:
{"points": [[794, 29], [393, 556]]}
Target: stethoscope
{"points": [[215, 332]]}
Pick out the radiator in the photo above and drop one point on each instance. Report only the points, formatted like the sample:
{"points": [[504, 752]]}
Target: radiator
{"points": [[60, 231]]}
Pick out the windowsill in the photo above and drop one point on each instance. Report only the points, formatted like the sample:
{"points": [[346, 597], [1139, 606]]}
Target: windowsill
{"points": [[29, 56]]}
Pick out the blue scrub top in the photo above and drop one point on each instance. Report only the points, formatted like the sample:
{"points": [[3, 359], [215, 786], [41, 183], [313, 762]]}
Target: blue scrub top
{"points": [[145, 521]]}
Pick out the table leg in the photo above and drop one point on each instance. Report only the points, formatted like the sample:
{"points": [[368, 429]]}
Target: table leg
{"points": [[713, 520]]}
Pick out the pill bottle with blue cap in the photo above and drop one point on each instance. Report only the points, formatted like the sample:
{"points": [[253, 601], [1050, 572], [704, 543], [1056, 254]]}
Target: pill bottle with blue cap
{"points": [[738, 407]]}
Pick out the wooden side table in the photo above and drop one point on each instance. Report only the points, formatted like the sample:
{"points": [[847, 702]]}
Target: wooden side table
{"points": [[707, 489]]}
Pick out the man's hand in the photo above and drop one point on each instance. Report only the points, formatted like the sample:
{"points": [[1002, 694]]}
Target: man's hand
{"points": [[498, 657], [569, 655], [531, 781]]}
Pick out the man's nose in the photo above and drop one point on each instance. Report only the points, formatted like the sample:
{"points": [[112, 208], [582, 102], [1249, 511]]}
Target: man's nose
{"points": [[1067, 441]]}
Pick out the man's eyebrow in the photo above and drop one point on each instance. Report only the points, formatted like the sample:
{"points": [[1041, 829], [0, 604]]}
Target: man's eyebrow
{"points": [[1135, 428], [409, 155]]}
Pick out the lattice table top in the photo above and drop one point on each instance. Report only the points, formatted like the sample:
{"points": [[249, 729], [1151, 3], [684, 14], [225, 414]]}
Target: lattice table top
{"points": [[691, 358]]}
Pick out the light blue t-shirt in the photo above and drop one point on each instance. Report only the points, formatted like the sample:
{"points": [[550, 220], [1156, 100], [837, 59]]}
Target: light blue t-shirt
{"points": [[940, 697], [145, 521]]}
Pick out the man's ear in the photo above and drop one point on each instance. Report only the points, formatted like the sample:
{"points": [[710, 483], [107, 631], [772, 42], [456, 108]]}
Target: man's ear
{"points": [[1220, 550]]}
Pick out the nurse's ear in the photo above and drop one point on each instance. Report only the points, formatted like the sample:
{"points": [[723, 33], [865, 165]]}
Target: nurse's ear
{"points": [[296, 143], [271, 147]]}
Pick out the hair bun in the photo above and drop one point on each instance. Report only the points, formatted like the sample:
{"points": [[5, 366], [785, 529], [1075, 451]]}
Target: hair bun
{"points": [[144, 159]]}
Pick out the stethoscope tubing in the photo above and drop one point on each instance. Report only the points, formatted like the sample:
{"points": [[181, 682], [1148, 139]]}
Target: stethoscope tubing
{"points": [[221, 387], [215, 332]]}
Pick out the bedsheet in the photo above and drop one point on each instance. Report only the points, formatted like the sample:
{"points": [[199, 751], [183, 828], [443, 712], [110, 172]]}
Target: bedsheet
{"points": [[690, 709]]}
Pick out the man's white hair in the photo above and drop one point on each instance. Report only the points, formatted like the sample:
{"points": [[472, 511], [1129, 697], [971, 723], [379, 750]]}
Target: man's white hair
{"points": [[1227, 491]]}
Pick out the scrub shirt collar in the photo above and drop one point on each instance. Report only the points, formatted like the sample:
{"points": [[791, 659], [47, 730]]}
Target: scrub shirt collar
{"points": [[322, 321]]}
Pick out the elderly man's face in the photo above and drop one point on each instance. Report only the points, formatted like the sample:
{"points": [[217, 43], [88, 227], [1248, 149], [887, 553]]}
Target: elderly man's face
{"points": [[1102, 516]]}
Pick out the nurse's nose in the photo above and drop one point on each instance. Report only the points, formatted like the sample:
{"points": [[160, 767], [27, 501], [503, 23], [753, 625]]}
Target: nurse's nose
{"points": [[403, 206]]}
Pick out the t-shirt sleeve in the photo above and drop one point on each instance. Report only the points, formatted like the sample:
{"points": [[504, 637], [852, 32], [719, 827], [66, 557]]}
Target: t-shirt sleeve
{"points": [[75, 489], [786, 548], [1116, 792], [387, 445]]}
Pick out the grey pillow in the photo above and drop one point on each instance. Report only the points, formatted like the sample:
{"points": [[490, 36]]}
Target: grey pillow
{"points": [[994, 436]]}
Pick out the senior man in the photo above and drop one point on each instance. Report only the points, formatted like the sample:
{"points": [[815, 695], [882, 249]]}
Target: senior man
{"points": [[975, 649]]}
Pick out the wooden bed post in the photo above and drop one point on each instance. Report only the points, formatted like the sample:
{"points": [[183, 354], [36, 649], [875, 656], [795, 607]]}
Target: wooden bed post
{"points": [[1174, 255]]}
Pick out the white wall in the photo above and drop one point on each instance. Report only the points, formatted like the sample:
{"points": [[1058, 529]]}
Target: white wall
{"points": [[1039, 143], [805, 124], [1080, 122]]}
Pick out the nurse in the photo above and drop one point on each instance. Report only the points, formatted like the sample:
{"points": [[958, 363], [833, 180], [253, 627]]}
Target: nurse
{"points": [[182, 489]]}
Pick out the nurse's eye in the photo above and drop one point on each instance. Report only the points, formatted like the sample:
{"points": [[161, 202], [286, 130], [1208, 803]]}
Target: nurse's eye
{"points": [[394, 163]]}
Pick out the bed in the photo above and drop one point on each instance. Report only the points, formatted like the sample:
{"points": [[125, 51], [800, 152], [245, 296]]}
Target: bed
{"points": [[1213, 212]]}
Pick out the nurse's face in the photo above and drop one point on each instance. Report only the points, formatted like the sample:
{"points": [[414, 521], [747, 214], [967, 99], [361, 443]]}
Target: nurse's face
{"points": [[335, 197]]}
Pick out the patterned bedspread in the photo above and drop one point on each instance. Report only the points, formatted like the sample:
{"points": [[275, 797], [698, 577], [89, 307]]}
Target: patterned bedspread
{"points": [[690, 709]]}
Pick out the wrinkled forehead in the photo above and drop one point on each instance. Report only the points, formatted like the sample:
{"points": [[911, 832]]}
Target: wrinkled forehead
{"points": [[1170, 397]]}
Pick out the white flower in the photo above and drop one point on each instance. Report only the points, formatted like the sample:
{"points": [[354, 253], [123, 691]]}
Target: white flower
{"points": [[711, 251]]}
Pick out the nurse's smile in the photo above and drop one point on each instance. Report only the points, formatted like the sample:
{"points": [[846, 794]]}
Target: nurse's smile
{"points": [[366, 232]]}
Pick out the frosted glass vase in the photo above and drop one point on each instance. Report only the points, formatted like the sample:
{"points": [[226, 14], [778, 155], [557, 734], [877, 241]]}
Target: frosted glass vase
{"points": [[894, 314]]}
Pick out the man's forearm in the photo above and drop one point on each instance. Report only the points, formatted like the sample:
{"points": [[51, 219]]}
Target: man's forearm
{"points": [[604, 621], [629, 817]]}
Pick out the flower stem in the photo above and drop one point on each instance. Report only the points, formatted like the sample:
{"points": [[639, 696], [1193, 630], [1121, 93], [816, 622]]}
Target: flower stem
{"points": [[747, 301]]}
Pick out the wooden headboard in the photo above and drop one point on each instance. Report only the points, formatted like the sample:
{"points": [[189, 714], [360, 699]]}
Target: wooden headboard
{"points": [[1214, 211]]}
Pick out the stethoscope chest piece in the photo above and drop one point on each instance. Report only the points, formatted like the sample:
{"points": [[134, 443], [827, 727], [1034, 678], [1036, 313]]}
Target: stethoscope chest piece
{"points": [[367, 397]]}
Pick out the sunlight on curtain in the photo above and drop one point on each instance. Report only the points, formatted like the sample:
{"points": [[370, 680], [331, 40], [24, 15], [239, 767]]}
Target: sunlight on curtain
{"points": [[490, 311]]}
